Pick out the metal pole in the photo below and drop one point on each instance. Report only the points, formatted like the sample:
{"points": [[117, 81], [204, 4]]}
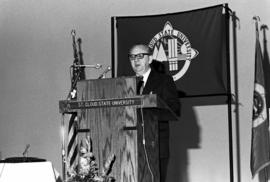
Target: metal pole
{"points": [[227, 32], [63, 148], [237, 127]]}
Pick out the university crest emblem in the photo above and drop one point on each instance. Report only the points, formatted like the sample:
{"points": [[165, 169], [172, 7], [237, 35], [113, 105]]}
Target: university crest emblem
{"points": [[173, 49]]}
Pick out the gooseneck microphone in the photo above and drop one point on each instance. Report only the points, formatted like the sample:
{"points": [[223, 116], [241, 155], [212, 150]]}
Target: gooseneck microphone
{"points": [[25, 152], [103, 74]]}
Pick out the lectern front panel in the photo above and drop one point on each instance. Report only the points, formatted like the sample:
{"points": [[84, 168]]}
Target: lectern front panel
{"points": [[108, 125]]}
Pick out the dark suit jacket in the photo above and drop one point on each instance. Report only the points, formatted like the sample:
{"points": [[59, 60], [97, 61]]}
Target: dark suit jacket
{"points": [[164, 86]]}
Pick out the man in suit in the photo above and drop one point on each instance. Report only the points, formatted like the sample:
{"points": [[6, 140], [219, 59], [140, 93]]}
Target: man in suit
{"points": [[156, 83]]}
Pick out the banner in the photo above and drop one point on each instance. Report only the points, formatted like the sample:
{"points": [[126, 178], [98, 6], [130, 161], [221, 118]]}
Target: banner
{"points": [[190, 45], [266, 69], [260, 144], [264, 175]]}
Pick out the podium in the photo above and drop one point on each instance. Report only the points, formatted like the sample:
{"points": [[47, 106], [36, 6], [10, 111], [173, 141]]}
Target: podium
{"points": [[121, 123]]}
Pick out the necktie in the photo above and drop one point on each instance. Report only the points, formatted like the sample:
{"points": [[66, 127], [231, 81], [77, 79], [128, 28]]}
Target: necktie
{"points": [[140, 86]]}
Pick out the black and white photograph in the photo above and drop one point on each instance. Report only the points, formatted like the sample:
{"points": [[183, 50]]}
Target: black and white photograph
{"points": [[134, 91]]}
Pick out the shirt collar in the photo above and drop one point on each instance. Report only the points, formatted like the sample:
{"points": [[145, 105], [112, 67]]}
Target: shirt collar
{"points": [[146, 75]]}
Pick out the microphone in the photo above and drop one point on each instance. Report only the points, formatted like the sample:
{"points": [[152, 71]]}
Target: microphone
{"points": [[97, 66], [104, 72], [25, 152]]}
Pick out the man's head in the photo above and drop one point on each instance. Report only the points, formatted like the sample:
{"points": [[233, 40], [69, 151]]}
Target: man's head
{"points": [[140, 58]]}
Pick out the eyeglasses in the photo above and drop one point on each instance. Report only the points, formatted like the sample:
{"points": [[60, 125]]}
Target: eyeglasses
{"points": [[132, 57]]}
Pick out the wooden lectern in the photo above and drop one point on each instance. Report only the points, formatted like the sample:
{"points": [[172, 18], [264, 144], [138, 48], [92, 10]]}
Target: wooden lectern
{"points": [[120, 122]]}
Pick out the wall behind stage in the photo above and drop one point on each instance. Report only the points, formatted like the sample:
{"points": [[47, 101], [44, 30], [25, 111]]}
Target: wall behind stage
{"points": [[36, 52]]}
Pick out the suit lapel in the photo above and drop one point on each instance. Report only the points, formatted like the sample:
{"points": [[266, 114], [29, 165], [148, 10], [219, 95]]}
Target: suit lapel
{"points": [[151, 83]]}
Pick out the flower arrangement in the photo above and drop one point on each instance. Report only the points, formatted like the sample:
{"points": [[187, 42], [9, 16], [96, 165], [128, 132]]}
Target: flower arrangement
{"points": [[87, 169]]}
